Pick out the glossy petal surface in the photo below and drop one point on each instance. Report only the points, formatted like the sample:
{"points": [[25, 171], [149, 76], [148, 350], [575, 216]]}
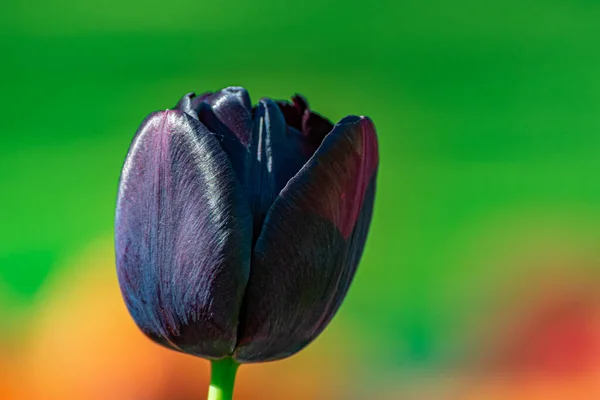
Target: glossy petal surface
{"points": [[183, 235], [228, 115], [276, 156], [310, 245], [264, 151]]}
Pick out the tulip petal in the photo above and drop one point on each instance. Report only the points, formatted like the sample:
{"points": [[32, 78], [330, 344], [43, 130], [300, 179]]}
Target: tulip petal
{"points": [[312, 126], [228, 115], [233, 108], [267, 145], [276, 156], [310, 245], [183, 236]]}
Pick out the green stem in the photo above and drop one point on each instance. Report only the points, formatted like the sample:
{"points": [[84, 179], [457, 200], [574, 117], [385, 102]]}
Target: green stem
{"points": [[222, 379]]}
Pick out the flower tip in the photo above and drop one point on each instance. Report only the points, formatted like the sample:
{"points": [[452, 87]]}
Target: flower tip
{"points": [[239, 93], [235, 89], [367, 123], [300, 102]]}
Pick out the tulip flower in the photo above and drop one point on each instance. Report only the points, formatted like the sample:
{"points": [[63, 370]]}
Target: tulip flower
{"points": [[239, 229]]}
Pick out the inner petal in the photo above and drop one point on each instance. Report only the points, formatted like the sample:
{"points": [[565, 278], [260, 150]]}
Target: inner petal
{"points": [[276, 155], [228, 115], [312, 126], [267, 144]]}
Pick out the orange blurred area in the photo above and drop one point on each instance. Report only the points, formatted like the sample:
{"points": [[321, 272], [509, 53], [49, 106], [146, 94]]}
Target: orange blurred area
{"points": [[585, 388], [541, 342], [555, 330], [544, 322], [84, 345]]}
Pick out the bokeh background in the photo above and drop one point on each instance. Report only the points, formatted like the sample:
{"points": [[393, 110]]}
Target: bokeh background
{"points": [[481, 275]]}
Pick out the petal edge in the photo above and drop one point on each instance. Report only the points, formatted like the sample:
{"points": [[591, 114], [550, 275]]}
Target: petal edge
{"points": [[310, 245]]}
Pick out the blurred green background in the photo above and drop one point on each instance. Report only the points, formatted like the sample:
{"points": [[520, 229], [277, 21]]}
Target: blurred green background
{"points": [[480, 277]]}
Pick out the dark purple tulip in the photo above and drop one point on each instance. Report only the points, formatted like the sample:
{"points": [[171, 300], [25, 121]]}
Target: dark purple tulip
{"points": [[239, 229]]}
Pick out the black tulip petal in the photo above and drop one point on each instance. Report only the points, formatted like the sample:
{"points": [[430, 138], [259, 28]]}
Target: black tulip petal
{"points": [[183, 236], [275, 156], [233, 108], [312, 126], [310, 245], [228, 115], [188, 104]]}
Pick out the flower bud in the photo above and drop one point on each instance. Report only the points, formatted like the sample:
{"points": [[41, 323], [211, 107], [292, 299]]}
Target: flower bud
{"points": [[238, 230]]}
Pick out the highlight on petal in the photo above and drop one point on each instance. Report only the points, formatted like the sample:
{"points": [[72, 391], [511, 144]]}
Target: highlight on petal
{"points": [[310, 245], [182, 236], [275, 157], [228, 115], [232, 108], [267, 145]]}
